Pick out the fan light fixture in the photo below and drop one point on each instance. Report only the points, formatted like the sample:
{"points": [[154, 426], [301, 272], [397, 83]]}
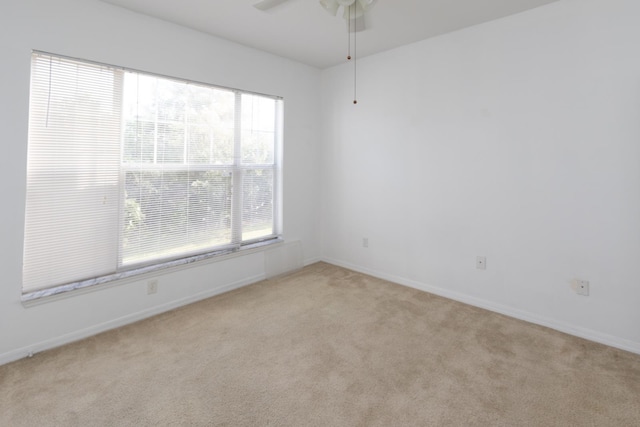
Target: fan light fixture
{"points": [[353, 9]]}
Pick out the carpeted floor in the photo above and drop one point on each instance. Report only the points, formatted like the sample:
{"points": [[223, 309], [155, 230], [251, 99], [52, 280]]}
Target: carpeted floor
{"points": [[325, 347]]}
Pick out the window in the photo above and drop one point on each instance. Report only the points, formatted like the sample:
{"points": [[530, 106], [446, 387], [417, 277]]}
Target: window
{"points": [[128, 170]]}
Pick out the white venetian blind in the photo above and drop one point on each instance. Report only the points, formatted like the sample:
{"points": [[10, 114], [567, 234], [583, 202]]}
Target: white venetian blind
{"points": [[72, 173]]}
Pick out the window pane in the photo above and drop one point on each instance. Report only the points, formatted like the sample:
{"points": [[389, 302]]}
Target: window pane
{"points": [[258, 129], [169, 213], [200, 144], [171, 143], [257, 204], [170, 100], [139, 141]]}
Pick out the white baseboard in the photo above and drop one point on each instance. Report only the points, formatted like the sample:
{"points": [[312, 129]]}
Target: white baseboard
{"points": [[310, 261], [587, 334], [48, 344]]}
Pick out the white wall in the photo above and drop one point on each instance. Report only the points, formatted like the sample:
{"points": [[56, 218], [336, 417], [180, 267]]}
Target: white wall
{"points": [[519, 140], [97, 31]]}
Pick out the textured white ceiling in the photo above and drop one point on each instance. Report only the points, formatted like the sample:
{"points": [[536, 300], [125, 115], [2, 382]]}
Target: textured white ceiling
{"points": [[303, 31]]}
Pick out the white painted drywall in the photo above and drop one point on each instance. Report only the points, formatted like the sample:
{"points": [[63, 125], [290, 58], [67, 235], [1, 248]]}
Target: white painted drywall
{"points": [[518, 140], [283, 259], [101, 32]]}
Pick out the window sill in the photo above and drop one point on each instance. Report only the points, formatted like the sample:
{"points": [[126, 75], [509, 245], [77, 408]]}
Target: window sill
{"points": [[78, 288]]}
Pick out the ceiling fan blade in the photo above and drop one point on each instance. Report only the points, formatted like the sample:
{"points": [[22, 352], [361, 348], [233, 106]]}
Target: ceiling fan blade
{"points": [[268, 4]]}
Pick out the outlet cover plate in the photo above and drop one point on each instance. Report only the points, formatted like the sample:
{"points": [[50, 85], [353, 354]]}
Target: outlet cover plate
{"points": [[582, 287], [481, 262], [152, 286]]}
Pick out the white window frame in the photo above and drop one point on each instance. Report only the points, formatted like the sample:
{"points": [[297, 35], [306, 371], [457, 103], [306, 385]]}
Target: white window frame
{"points": [[237, 170]]}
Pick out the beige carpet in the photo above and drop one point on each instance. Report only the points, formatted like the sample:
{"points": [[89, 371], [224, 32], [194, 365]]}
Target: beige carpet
{"points": [[325, 347]]}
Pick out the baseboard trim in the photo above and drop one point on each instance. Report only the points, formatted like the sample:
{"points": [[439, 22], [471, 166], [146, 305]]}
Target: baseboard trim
{"points": [[309, 261], [587, 334], [49, 344]]}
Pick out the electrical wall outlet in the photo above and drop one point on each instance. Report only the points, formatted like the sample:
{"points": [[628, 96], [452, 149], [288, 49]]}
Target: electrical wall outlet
{"points": [[365, 242], [582, 287], [481, 262], [152, 286]]}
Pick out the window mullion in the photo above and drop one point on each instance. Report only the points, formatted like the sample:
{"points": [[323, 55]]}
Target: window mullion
{"points": [[121, 174], [236, 189], [185, 153]]}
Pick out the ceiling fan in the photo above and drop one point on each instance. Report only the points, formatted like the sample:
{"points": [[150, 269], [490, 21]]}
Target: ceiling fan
{"points": [[353, 10], [353, 13]]}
